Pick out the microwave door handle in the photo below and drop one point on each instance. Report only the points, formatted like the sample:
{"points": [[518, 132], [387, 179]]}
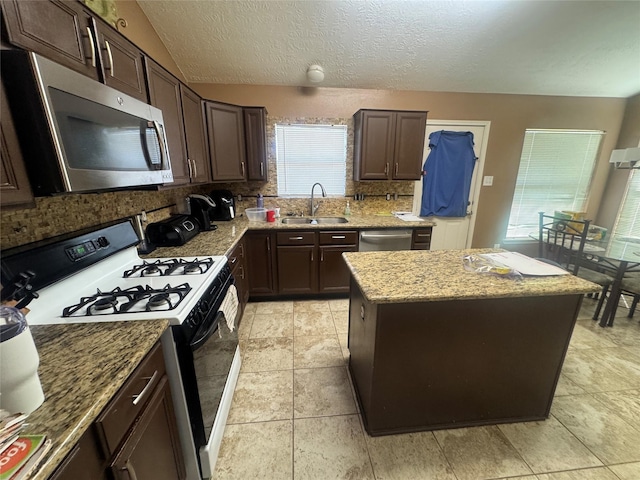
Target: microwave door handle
{"points": [[163, 151]]}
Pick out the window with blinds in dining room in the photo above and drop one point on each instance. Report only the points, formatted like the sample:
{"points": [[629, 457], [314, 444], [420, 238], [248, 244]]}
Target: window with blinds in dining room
{"points": [[626, 230], [555, 172]]}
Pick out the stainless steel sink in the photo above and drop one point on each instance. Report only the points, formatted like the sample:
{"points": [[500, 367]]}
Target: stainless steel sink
{"points": [[331, 220], [296, 220], [313, 221]]}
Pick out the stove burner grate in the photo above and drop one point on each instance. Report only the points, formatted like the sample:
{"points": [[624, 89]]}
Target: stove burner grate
{"points": [[170, 266], [107, 303]]}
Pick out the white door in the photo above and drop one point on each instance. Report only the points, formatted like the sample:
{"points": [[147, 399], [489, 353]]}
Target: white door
{"points": [[456, 233]]}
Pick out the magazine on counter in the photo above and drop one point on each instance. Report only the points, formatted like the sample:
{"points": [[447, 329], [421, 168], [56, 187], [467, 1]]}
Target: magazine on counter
{"points": [[21, 458]]}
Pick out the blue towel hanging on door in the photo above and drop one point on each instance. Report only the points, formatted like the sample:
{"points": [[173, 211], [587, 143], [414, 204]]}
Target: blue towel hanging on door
{"points": [[447, 174]]}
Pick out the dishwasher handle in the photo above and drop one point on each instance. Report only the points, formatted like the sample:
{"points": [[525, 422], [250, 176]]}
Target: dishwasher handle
{"points": [[378, 236]]}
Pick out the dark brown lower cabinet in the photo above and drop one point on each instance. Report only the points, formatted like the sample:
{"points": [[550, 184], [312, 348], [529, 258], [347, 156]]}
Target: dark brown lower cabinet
{"points": [[135, 437], [297, 270], [260, 263], [84, 461], [421, 239], [238, 264], [152, 449], [333, 272]]}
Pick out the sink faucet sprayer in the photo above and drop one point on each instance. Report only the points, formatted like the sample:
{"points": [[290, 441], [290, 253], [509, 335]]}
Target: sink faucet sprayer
{"points": [[314, 208]]}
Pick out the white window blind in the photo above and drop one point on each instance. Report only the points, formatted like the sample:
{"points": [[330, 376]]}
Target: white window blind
{"points": [[628, 221], [555, 173], [307, 154]]}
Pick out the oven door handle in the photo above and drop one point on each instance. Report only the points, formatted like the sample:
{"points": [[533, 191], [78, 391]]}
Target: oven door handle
{"points": [[199, 340]]}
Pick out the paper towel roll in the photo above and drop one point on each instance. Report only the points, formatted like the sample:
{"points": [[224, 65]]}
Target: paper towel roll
{"points": [[230, 307]]}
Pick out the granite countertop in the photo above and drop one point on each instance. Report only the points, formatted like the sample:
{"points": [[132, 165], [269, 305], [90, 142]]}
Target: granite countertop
{"points": [[82, 366], [227, 235], [427, 276]]}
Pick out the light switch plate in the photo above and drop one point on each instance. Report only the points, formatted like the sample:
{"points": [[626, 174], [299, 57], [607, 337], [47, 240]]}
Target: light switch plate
{"points": [[487, 181]]}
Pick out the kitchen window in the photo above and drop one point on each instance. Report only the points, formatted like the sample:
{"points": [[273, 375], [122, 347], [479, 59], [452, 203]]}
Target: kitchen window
{"points": [[306, 154], [556, 168]]}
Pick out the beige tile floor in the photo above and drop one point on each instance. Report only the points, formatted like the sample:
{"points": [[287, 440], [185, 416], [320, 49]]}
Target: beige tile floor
{"points": [[294, 413]]}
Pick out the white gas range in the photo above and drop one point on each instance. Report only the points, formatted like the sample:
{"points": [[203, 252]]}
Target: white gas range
{"points": [[99, 277]]}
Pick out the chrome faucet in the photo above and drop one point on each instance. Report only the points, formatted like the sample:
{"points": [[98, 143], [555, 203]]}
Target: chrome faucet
{"points": [[314, 208]]}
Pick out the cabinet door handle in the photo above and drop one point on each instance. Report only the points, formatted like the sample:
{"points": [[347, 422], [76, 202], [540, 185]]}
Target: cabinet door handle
{"points": [[338, 237], [322, 255], [190, 168], [241, 272], [130, 471], [386, 168], [396, 174], [150, 381], [93, 47], [261, 169], [110, 55], [242, 168], [424, 234], [233, 260], [296, 238], [195, 169], [268, 244], [311, 255]]}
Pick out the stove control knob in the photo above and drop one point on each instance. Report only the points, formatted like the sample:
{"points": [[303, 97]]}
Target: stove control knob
{"points": [[103, 242]]}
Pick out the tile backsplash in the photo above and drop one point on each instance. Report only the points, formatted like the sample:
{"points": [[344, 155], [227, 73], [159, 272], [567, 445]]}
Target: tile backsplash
{"points": [[67, 213]]}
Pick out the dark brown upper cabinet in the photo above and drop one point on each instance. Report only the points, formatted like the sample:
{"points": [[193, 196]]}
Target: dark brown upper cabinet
{"points": [[255, 130], [15, 190], [388, 145], [69, 34], [194, 132], [225, 132], [164, 93]]}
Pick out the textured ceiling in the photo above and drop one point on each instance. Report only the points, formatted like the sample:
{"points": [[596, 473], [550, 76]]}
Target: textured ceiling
{"points": [[576, 48]]}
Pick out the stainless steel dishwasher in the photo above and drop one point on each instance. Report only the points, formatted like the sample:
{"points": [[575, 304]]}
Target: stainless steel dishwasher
{"points": [[377, 240]]}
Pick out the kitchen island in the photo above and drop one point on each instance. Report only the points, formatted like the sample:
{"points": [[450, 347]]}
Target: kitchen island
{"points": [[435, 346]]}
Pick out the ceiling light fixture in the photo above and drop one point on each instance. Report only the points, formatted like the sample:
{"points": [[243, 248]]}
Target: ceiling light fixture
{"points": [[315, 73]]}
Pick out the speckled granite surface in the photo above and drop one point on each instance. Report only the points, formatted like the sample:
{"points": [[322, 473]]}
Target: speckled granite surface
{"points": [[81, 367], [222, 240], [424, 276]]}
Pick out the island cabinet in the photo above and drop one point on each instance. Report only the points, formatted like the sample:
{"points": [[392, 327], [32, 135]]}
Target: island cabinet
{"points": [[255, 122], [15, 190], [388, 145], [135, 436], [225, 133], [72, 35], [452, 348], [260, 256]]}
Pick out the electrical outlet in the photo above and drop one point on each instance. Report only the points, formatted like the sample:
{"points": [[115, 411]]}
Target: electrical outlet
{"points": [[143, 216], [487, 181], [496, 245]]}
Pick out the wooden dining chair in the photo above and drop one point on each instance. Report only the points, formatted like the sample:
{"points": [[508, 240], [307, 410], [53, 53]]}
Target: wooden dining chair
{"points": [[562, 241]]}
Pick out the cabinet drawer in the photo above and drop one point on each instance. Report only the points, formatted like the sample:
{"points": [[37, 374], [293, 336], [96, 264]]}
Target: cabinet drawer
{"points": [[422, 235], [296, 238], [118, 416], [338, 238], [236, 257]]}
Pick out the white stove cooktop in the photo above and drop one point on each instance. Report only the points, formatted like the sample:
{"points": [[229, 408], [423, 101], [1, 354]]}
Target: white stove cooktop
{"points": [[184, 289]]}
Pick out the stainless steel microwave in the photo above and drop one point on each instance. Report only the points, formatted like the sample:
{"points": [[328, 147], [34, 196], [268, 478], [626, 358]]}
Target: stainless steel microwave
{"points": [[79, 135]]}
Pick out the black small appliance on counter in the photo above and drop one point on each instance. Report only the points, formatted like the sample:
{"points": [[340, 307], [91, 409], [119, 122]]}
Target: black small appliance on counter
{"points": [[173, 231], [225, 205], [202, 208]]}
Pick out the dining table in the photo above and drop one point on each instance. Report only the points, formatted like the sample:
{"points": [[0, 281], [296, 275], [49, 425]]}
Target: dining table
{"points": [[617, 256]]}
